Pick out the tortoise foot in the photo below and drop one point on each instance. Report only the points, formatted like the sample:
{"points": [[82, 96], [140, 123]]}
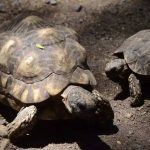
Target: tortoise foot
{"points": [[104, 114], [23, 123]]}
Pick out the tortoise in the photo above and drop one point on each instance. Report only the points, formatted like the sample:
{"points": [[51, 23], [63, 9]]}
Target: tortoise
{"points": [[44, 75], [132, 61]]}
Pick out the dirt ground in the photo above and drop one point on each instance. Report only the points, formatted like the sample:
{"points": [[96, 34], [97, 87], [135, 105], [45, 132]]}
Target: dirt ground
{"points": [[102, 26]]}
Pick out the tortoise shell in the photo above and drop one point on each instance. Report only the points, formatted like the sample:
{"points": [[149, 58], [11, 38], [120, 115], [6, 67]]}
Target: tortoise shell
{"points": [[136, 50], [40, 62]]}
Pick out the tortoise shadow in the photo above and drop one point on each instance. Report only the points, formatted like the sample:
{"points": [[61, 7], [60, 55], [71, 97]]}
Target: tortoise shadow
{"points": [[85, 134], [146, 90], [124, 93], [67, 131]]}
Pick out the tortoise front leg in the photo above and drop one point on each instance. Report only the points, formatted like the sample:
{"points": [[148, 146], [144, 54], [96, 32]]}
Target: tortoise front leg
{"points": [[135, 90], [23, 123], [104, 114]]}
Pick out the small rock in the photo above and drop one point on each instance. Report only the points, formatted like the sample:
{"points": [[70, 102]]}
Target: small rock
{"points": [[118, 142], [79, 8], [130, 132], [140, 108], [143, 113], [81, 20], [118, 120], [115, 105], [128, 115], [52, 2], [110, 39]]}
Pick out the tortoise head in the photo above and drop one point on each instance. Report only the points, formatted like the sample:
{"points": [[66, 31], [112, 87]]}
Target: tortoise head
{"points": [[79, 102], [116, 68]]}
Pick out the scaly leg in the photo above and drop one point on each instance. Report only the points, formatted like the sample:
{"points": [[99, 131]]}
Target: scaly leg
{"points": [[135, 90], [104, 113], [23, 123]]}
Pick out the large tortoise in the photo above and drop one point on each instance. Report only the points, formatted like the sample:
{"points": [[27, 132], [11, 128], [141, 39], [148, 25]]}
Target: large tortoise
{"points": [[132, 62], [44, 74]]}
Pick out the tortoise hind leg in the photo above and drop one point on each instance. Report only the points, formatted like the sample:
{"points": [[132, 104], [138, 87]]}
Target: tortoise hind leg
{"points": [[135, 90], [24, 122]]}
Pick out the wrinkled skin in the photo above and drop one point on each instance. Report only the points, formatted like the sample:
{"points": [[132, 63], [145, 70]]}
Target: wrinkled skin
{"points": [[118, 71], [116, 68], [85, 104]]}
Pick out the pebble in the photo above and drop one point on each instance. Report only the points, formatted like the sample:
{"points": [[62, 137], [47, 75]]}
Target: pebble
{"points": [[52, 2], [140, 108], [133, 122], [130, 132], [81, 20], [143, 113], [79, 8], [118, 121], [118, 142], [122, 28], [128, 115], [115, 105]]}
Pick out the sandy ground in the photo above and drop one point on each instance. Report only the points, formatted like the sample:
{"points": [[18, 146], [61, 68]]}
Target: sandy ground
{"points": [[102, 26]]}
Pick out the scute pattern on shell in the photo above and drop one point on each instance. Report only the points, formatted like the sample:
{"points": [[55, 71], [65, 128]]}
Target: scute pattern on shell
{"points": [[27, 24], [32, 74], [136, 51]]}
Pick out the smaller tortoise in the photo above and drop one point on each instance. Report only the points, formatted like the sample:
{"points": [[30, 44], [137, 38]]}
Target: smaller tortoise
{"points": [[44, 74], [132, 61]]}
